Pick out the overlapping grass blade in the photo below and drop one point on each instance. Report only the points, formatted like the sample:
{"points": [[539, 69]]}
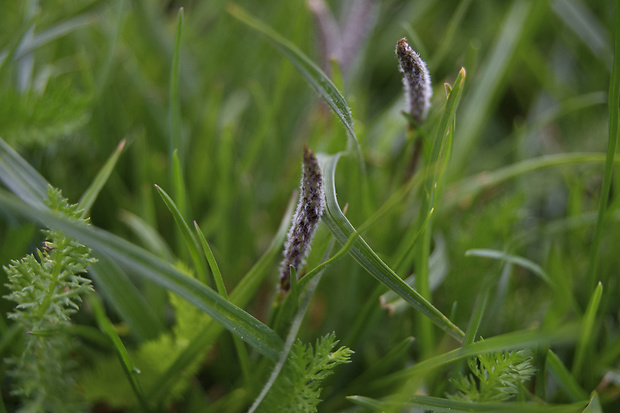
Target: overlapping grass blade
{"points": [[491, 80], [21, 178], [108, 329], [469, 187], [342, 229], [585, 346], [241, 295], [127, 301], [509, 341], [437, 404], [512, 259], [564, 378], [146, 265], [190, 240]]}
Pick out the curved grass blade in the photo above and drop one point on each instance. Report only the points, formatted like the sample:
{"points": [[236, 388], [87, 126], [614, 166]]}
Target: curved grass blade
{"points": [[48, 36], [586, 337], [342, 229], [88, 198], [188, 236], [437, 163], [492, 79], [174, 110], [21, 178], [108, 329], [510, 341], [151, 267], [215, 269], [129, 304], [313, 74], [470, 187], [242, 352], [564, 378], [240, 296], [614, 136], [437, 404], [512, 259]]}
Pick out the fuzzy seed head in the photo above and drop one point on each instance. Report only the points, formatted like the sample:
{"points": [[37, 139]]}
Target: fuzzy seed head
{"points": [[306, 219], [416, 81]]}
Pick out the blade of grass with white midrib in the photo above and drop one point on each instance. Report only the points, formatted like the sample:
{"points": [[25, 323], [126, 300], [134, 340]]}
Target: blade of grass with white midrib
{"points": [[342, 229]]}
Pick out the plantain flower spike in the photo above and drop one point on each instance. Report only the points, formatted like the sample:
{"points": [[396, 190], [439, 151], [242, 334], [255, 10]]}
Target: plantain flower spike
{"points": [[306, 219], [416, 81]]}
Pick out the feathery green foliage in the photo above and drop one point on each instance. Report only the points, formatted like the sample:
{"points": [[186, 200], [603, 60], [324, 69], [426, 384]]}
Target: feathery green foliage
{"points": [[496, 216], [106, 381], [48, 289]]}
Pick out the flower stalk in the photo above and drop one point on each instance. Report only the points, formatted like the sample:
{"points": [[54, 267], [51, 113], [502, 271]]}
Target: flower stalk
{"points": [[305, 220], [416, 81]]}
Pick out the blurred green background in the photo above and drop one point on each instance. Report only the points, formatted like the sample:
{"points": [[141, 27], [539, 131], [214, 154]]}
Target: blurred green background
{"points": [[77, 77]]}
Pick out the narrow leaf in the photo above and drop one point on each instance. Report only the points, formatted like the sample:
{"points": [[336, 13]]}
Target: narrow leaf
{"points": [[564, 378], [342, 229], [21, 178], [88, 198], [437, 404], [313, 74], [512, 259]]}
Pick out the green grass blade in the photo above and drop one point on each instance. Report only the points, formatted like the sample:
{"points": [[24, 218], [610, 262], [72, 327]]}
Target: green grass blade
{"points": [[88, 198], [467, 188], [594, 405], [342, 229], [487, 86], [125, 298], [108, 329], [21, 178], [174, 110], [585, 346], [432, 176], [190, 240], [476, 317], [48, 36], [512, 259], [178, 183], [614, 135], [148, 236], [564, 378], [440, 153], [152, 268], [242, 353], [313, 74], [450, 32], [215, 269], [437, 404], [510, 341]]}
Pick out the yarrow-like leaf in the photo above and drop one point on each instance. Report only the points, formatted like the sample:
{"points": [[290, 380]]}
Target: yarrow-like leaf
{"points": [[306, 219], [416, 81], [47, 289], [496, 377]]}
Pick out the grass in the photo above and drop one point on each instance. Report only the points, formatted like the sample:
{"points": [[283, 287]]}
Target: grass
{"points": [[152, 115]]}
